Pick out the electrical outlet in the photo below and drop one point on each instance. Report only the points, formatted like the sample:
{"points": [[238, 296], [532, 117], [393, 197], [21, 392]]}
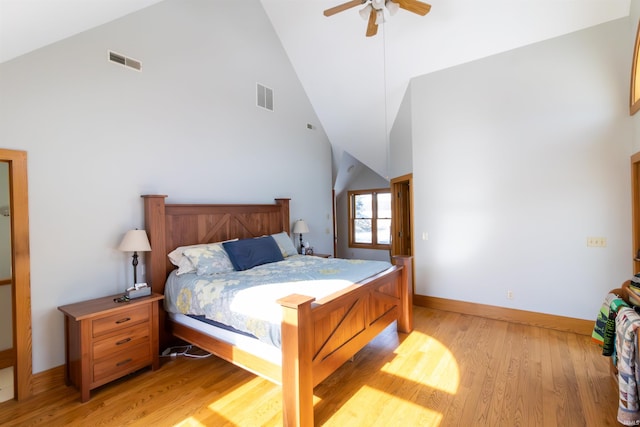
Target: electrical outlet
{"points": [[509, 294], [596, 242]]}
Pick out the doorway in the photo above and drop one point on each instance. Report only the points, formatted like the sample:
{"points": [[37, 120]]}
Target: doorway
{"points": [[6, 300], [402, 217], [17, 213]]}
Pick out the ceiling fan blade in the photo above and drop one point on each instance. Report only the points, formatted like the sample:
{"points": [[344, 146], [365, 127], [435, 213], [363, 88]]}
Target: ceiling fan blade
{"points": [[372, 27], [343, 6], [414, 6]]}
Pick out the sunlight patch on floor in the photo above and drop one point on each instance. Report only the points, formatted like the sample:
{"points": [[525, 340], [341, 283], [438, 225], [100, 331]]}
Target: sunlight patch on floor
{"points": [[189, 422], [429, 363], [6, 384], [232, 405], [372, 407]]}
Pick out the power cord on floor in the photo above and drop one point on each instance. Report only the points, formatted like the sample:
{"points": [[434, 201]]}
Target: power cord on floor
{"points": [[183, 351]]}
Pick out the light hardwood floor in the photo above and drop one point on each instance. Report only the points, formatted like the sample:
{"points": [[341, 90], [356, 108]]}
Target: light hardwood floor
{"points": [[453, 370]]}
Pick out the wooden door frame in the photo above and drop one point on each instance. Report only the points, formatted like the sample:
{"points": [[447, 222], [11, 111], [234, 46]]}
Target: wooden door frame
{"points": [[396, 216], [635, 211], [20, 272], [334, 223]]}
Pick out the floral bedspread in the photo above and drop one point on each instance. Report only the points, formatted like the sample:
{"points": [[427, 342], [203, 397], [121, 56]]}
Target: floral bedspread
{"points": [[246, 300]]}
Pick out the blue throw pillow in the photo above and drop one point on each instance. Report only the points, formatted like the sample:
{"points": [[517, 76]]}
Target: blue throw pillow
{"points": [[248, 253]]}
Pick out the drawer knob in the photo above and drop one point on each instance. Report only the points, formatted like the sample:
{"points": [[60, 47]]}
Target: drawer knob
{"points": [[124, 362], [126, 319], [124, 341]]}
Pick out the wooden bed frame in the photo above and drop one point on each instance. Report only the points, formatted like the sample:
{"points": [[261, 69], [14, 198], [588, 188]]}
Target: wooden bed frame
{"points": [[317, 336]]}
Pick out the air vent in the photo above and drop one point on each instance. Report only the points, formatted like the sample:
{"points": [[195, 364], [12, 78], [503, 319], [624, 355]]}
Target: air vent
{"points": [[265, 97], [125, 61]]}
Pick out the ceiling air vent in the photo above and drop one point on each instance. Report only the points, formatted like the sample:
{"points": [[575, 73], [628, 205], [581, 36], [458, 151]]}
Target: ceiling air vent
{"points": [[265, 97], [123, 60]]}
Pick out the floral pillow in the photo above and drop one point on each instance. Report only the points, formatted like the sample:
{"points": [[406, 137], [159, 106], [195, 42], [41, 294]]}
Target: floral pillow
{"points": [[209, 259]]}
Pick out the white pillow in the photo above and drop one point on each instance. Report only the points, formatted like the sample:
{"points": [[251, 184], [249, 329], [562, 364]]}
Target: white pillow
{"points": [[285, 244], [178, 259]]}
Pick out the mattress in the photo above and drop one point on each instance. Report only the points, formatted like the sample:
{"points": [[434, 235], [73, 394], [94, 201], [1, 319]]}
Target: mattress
{"points": [[243, 342], [246, 300]]}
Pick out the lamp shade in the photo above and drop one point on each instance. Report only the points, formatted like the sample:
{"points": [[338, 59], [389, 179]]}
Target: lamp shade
{"points": [[300, 227], [135, 241]]}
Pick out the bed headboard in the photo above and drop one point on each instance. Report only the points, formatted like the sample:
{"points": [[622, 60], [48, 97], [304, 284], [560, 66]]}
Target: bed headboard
{"points": [[171, 225]]}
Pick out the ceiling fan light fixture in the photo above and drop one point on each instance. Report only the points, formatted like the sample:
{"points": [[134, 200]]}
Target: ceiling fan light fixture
{"points": [[392, 7], [365, 11], [379, 11]]}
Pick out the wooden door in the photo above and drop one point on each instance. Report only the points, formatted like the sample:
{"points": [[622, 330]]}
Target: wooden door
{"points": [[402, 216]]}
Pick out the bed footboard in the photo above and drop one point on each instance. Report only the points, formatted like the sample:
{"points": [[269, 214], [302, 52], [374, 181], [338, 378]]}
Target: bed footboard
{"points": [[319, 336]]}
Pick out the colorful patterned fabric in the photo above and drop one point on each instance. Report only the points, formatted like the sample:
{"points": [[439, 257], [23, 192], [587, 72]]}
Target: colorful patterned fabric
{"points": [[597, 335], [627, 323], [246, 300]]}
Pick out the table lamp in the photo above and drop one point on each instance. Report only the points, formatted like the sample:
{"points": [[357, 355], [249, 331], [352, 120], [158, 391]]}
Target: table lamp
{"points": [[300, 227], [135, 241]]}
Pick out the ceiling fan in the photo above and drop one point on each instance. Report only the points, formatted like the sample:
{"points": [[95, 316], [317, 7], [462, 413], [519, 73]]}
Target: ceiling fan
{"points": [[377, 11]]}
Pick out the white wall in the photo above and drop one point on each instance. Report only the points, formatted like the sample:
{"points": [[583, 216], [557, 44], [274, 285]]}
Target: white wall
{"points": [[400, 146], [99, 135], [517, 159]]}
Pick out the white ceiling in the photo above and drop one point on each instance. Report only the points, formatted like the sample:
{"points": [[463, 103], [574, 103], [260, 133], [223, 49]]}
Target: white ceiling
{"points": [[351, 80]]}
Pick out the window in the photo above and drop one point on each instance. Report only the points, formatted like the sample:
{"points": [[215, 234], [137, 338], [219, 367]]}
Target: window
{"points": [[370, 219]]}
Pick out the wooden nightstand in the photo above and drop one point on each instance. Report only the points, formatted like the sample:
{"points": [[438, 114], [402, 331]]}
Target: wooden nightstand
{"points": [[105, 340]]}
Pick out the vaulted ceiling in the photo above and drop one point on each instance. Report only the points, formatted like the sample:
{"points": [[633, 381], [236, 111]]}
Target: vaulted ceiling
{"points": [[355, 84]]}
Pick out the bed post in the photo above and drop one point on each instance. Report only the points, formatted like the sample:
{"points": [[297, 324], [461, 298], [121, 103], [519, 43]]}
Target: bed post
{"points": [[297, 375], [405, 320], [155, 227], [155, 260], [284, 208]]}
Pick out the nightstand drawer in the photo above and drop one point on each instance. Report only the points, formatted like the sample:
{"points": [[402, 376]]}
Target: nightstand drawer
{"points": [[121, 363], [125, 339], [122, 319]]}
